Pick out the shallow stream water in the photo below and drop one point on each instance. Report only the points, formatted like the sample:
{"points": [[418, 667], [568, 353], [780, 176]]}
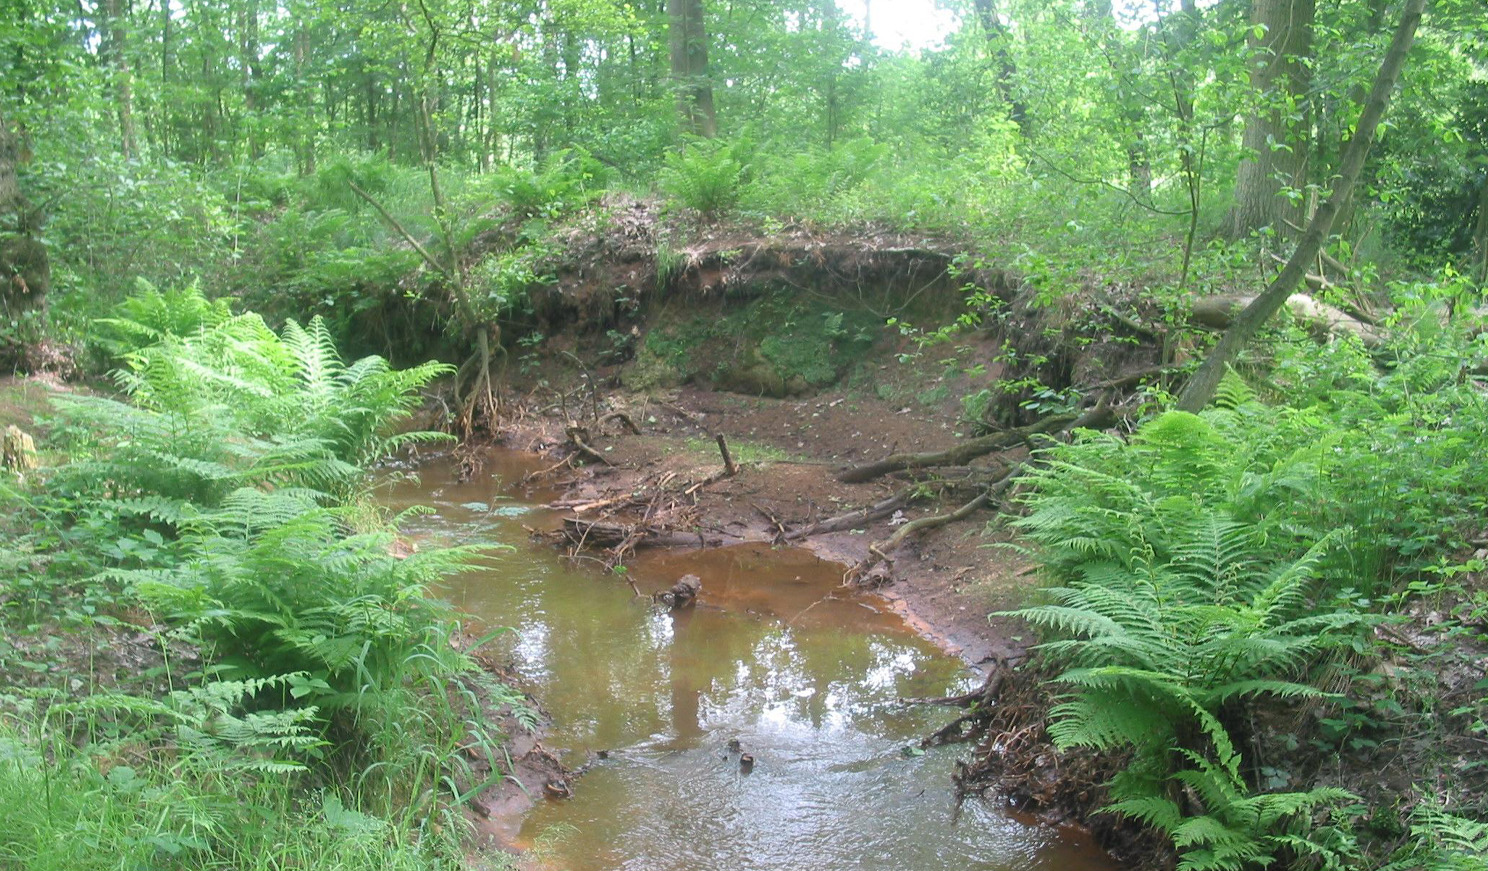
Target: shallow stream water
{"points": [[804, 675]]}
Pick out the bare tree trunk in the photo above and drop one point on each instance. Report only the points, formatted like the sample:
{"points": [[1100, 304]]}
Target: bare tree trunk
{"points": [[1275, 144], [689, 54], [249, 73], [113, 46], [1480, 234], [304, 132], [1200, 388]]}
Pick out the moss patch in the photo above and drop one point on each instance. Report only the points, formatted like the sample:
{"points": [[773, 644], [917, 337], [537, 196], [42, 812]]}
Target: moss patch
{"points": [[777, 345]]}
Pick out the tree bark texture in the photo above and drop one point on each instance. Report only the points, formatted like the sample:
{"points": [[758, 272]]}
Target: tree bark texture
{"points": [[1275, 139], [113, 46], [1480, 234], [1200, 388], [688, 40]]}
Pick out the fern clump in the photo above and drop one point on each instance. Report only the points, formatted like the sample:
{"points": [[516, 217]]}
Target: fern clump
{"points": [[1191, 583], [704, 176]]}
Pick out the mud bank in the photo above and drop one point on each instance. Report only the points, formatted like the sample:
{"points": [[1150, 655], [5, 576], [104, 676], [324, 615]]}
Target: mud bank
{"points": [[668, 485]]}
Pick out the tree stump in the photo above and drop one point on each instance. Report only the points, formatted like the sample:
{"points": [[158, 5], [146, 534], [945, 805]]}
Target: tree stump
{"points": [[19, 450]]}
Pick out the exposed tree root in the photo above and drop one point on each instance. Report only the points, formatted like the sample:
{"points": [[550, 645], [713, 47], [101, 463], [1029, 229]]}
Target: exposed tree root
{"points": [[579, 438], [624, 420], [977, 703]]}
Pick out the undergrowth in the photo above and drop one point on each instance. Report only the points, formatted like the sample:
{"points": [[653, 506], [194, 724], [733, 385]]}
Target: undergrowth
{"points": [[1212, 571], [307, 707]]}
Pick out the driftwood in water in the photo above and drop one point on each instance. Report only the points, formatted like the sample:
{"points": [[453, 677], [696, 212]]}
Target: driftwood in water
{"points": [[601, 534], [680, 594]]}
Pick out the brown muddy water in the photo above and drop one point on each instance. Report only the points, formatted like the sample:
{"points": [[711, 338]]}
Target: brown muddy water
{"points": [[806, 677]]}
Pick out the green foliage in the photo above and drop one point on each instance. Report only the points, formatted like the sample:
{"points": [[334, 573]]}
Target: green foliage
{"points": [[229, 386], [1188, 591], [568, 178], [1238, 829], [220, 502], [101, 807], [150, 316], [275, 587], [704, 175], [1441, 841], [777, 345]]}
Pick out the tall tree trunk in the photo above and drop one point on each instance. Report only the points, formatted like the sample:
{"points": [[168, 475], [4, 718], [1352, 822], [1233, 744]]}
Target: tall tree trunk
{"points": [[688, 40], [248, 72], [114, 49], [999, 42], [1275, 141], [25, 272], [304, 136], [1480, 234], [1201, 386]]}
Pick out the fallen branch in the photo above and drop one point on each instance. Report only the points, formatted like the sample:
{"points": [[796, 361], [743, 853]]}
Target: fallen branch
{"points": [[977, 703], [968, 450], [854, 519], [624, 419], [576, 438], [878, 552], [779, 537], [1131, 378], [407, 236], [914, 527]]}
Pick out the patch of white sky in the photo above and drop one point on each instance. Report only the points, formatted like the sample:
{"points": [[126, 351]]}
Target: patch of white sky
{"points": [[916, 25]]}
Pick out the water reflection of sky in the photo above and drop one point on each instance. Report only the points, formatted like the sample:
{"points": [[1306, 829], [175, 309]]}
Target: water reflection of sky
{"points": [[775, 656]]}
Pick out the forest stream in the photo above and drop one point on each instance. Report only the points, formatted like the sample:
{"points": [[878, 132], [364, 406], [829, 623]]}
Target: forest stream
{"points": [[804, 676]]}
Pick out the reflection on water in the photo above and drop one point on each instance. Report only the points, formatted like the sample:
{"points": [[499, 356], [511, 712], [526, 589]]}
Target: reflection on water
{"points": [[804, 675]]}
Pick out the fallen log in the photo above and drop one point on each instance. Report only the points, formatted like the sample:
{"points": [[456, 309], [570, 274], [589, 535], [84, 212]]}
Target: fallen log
{"points": [[1217, 312]]}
